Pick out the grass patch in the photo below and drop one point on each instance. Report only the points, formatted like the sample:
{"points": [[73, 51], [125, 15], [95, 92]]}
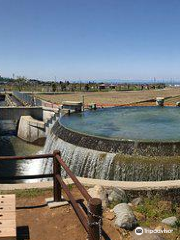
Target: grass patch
{"points": [[33, 192], [70, 187], [22, 193], [155, 210]]}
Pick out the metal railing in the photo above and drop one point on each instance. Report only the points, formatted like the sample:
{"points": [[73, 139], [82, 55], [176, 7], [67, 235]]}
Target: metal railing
{"points": [[91, 217], [28, 98]]}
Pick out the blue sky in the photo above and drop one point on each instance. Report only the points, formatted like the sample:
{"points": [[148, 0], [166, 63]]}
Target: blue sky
{"points": [[97, 39]]}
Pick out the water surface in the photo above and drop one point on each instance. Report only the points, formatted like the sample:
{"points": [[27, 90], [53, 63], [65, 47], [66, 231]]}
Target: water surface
{"points": [[128, 123], [13, 146]]}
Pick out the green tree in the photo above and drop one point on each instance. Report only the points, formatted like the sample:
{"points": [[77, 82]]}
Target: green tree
{"points": [[54, 87], [86, 87], [21, 81], [63, 86]]}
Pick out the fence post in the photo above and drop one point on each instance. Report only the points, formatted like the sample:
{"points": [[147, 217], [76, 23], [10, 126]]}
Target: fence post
{"points": [[56, 170], [95, 219]]}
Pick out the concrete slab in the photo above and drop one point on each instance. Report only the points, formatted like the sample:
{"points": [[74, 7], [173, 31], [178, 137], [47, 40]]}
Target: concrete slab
{"points": [[51, 204], [89, 182]]}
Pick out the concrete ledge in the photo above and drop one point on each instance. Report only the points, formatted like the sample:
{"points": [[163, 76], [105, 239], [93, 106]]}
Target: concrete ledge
{"points": [[72, 103], [51, 204], [129, 186]]}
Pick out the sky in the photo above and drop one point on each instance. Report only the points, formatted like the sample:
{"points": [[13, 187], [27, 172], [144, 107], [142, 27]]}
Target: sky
{"points": [[90, 39]]}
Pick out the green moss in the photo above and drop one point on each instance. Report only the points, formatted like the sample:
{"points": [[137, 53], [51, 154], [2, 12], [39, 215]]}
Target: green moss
{"points": [[102, 156], [121, 158]]}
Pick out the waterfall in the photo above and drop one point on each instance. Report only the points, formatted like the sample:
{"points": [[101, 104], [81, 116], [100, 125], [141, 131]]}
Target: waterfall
{"points": [[81, 161], [90, 163]]}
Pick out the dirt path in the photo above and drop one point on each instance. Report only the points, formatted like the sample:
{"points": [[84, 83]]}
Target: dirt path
{"points": [[55, 224]]}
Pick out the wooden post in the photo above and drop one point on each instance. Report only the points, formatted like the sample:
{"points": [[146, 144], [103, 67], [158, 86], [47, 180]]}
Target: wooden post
{"points": [[95, 219], [56, 170]]}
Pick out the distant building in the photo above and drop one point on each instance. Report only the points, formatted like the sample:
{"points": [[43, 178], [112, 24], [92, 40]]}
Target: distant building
{"points": [[102, 86], [112, 86]]}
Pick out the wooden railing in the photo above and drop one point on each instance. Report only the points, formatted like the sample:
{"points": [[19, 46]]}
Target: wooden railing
{"points": [[91, 217]]}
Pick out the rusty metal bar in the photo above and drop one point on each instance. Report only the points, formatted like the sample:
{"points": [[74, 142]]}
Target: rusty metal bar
{"points": [[95, 219], [74, 178], [75, 205], [25, 177], [56, 171], [26, 157]]}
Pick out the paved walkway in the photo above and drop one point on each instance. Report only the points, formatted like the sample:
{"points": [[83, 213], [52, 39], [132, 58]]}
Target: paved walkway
{"points": [[161, 185]]}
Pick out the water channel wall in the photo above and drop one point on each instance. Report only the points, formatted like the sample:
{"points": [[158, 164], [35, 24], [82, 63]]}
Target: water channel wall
{"points": [[31, 130], [92, 157], [31, 122], [38, 113], [139, 148]]}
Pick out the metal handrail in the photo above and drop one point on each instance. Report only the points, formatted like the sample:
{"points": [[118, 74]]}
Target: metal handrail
{"points": [[75, 205], [26, 157], [92, 222], [74, 178]]}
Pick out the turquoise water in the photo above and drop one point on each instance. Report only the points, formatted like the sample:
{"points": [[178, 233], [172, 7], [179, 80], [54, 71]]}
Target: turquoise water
{"points": [[128, 123]]}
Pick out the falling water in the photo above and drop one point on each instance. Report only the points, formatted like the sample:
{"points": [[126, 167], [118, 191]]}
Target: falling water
{"points": [[82, 162], [102, 165]]}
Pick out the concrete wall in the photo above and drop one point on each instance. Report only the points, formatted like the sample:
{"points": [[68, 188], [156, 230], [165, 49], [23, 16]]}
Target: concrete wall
{"points": [[138, 148], [31, 122], [48, 113], [38, 113], [14, 113], [169, 190], [31, 130]]}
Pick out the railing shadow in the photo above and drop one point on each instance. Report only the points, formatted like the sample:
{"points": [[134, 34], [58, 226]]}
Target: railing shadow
{"points": [[32, 207], [23, 233]]}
